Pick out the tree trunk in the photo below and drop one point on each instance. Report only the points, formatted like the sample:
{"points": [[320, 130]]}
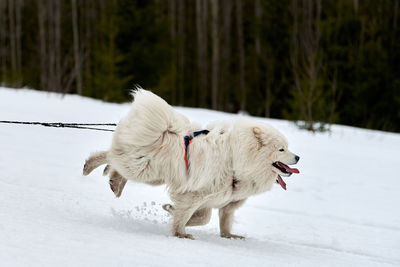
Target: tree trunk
{"points": [[335, 97], [181, 51], [395, 17], [77, 68], [242, 84], [268, 98], [226, 54], [50, 47], [258, 15], [42, 14], [18, 7], [355, 4], [205, 65], [13, 46], [202, 55], [3, 41], [295, 58], [258, 60], [89, 18], [395, 14], [215, 54], [200, 45], [57, 45], [172, 17]]}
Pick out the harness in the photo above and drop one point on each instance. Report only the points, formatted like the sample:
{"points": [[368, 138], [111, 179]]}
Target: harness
{"points": [[188, 140]]}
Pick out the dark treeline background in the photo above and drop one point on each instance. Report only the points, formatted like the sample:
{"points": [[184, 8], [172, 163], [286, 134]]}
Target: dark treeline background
{"points": [[329, 61]]}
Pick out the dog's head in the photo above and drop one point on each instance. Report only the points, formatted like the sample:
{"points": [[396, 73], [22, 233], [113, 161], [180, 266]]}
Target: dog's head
{"points": [[267, 150]]}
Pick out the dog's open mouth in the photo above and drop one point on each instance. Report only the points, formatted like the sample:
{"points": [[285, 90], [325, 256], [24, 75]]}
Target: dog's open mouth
{"points": [[285, 170]]}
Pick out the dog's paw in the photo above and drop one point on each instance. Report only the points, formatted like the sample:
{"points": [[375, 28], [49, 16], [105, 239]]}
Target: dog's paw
{"points": [[188, 236], [86, 169], [115, 188], [168, 207], [117, 184], [232, 236]]}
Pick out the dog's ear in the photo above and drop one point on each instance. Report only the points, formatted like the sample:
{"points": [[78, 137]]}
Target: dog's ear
{"points": [[258, 135], [256, 131]]}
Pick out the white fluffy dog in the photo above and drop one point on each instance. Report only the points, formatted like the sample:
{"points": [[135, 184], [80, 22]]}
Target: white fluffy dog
{"points": [[219, 167]]}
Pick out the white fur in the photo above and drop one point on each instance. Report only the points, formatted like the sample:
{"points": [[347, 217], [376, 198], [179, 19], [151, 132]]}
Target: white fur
{"points": [[148, 147]]}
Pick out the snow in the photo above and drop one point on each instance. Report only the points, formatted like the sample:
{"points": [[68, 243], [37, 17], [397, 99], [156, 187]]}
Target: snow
{"points": [[341, 210]]}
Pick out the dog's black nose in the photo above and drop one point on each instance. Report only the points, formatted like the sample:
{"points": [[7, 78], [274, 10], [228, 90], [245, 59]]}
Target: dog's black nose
{"points": [[297, 158]]}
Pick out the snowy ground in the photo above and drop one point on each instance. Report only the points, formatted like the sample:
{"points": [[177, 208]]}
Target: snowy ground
{"points": [[342, 210]]}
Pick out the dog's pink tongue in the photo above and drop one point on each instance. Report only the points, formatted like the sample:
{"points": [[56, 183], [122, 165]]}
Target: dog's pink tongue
{"points": [[281, 182], [288, 169], [292, 170]]}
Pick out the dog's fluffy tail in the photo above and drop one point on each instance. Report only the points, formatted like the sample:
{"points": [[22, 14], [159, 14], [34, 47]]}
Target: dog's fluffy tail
{"points": [[95, 160], [149, 119]]}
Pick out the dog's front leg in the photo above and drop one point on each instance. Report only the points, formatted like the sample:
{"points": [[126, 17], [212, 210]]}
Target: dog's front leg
{"points": [[185, 206], [226, 219]]}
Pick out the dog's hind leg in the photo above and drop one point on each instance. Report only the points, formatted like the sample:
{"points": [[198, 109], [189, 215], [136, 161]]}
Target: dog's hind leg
{"points": [[117, 183], [200, 217], [185, 205], [94, 161], [226, 219]]}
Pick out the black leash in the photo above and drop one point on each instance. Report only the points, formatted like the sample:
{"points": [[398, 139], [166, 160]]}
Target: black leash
{"points": [[65, 125]]}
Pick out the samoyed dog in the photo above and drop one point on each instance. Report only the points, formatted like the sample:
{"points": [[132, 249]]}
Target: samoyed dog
{"points": [[216, 167]]}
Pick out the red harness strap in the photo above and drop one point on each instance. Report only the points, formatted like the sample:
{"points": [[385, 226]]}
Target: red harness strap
{"points": [[186, 158]]}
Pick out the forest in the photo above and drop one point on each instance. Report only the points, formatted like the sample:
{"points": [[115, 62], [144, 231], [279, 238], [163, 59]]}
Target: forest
{"points": [[316, 62]]}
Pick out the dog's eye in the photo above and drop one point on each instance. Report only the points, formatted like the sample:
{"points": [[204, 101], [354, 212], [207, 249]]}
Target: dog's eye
{"points": [[281, 150]]}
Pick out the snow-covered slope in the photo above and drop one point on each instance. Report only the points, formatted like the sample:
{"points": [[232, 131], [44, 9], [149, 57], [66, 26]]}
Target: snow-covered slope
{"points": [[342, 210]]}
